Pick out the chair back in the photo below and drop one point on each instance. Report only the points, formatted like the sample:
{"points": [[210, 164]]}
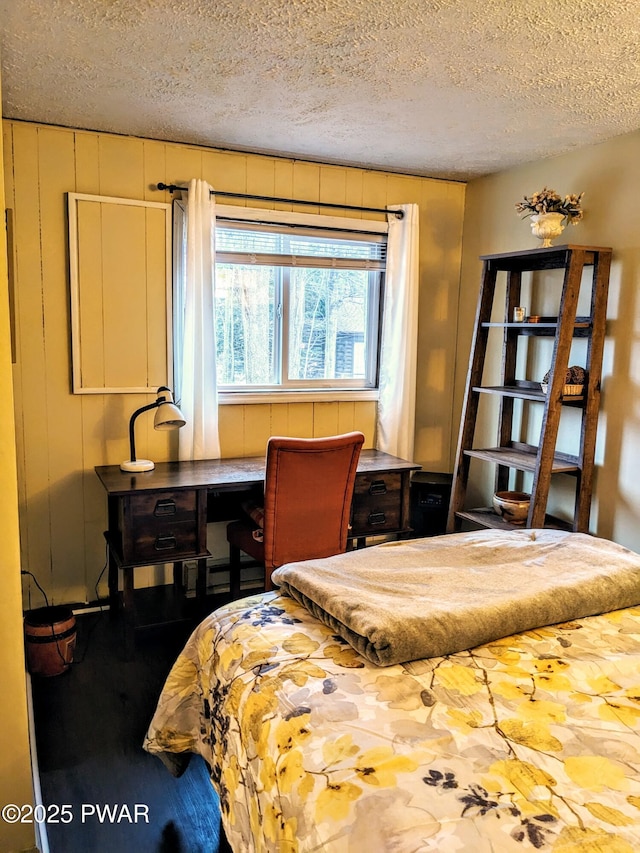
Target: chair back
{"points": [[307, 498]]}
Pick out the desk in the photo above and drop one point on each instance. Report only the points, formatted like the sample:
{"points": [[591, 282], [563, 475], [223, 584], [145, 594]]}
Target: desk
{"points": [[161, 516]]}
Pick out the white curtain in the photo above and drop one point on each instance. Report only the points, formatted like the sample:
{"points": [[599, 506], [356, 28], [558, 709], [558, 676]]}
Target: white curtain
{"points": [[195, 359], [398, 353]]}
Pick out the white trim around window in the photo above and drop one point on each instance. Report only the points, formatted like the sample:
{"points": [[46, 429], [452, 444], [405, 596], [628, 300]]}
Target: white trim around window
{"points": [[350, 390], [317, 395]]}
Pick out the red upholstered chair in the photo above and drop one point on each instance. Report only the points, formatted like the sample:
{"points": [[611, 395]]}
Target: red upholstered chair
{"points": [[307, 504]]}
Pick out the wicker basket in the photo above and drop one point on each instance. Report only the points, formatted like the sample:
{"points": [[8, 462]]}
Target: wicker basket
{"points": [[567, 391]]}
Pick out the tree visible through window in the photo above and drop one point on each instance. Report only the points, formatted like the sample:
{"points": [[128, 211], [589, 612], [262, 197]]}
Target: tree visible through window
{"points": [[245, 323], [296, 310]]}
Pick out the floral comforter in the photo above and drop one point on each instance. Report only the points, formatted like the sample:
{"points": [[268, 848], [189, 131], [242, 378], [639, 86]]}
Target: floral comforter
{"points": [[527, 743]]}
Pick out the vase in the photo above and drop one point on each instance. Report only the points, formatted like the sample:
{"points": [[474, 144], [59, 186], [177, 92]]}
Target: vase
{"points": [[546, 226]]}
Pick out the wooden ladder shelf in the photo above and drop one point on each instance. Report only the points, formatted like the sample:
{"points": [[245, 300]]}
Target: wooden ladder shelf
{"points": [[541, 459]]}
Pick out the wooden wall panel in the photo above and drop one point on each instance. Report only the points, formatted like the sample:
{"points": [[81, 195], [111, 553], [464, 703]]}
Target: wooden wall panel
{"points": [[301, 419], [280, 419], [121, 161], [124, 300], [95, 421], [87, 177], [224, 171], [365, 420], [347, 418], [156, 309], [257, 428], [63, 415], [30, 373], [333, 188], [353, 187], [260, 176], [325, 419], [231, 429], [306, 184], [119, 293], [61, 436], [441, 238], [403, 190], [182, 164], [155, 170], [374, 189], [283, 182], [90, 346]]}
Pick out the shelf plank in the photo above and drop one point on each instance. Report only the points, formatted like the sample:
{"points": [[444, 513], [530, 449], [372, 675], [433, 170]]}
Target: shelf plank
{"points": [[546, 326], [581, 322], [486, 517], [517, 391], [523, 460], [522, 393], [553, 257]]}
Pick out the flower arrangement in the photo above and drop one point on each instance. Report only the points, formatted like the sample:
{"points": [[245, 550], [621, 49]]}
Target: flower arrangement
{"points": [[548, 201]]}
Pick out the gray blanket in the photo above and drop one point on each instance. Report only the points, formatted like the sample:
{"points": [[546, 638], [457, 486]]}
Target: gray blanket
{"points": [[423, 598]]}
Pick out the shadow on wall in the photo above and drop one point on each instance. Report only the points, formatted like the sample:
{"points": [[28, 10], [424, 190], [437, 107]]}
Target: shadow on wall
{"points": [[438, 307], [615, 512]]}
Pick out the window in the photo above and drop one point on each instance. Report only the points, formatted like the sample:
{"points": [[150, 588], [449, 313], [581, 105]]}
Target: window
{"points": [[297, 307]]}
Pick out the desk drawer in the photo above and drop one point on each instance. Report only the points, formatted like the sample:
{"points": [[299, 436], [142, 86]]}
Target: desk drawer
{"points": [[163, 506], [158, 526], [156, 542], [377, 504]]}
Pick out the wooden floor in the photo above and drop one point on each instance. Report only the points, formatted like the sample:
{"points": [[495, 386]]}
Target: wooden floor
{"points": [[90, 723]]}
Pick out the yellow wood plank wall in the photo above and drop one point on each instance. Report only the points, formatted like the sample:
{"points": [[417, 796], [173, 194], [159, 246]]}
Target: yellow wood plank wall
{"points": [[61, 436]]}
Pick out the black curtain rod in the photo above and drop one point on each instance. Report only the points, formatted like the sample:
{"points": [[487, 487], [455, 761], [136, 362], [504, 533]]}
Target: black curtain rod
{"points": [[399, 213]]}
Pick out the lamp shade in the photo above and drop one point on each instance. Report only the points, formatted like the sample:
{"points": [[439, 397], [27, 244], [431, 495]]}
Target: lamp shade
{"points": [[167, 416]]}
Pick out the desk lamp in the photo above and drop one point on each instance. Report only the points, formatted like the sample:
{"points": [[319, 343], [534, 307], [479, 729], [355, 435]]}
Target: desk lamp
{"points": [[168, 416]]}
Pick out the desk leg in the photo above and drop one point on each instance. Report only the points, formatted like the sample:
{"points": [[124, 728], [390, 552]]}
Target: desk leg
{"points": [[201, 580], [113, 585], [128, 612], [234, 572], [178, 576]]}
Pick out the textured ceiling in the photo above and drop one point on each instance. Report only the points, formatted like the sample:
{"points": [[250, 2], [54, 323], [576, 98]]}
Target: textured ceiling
{"points": [[446, 88]]}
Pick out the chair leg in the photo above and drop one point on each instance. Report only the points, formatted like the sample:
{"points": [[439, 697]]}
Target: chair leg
{"points": [[234, 571]]}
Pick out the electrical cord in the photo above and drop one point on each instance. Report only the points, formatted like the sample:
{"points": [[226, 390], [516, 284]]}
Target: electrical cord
{"points": [[35, 580], [99, 616], [92, 627]]}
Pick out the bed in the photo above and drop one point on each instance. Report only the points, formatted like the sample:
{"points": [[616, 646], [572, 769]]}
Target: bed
{"points": [[524, 742]]}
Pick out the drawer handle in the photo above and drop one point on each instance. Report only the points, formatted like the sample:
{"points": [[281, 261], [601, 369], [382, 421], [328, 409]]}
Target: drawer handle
{"points": [[376, 518], [378, 487], [165, 543], [165, 507]]}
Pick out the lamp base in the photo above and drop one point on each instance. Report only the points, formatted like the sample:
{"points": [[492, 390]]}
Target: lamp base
{"points": [[137, 465]]}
